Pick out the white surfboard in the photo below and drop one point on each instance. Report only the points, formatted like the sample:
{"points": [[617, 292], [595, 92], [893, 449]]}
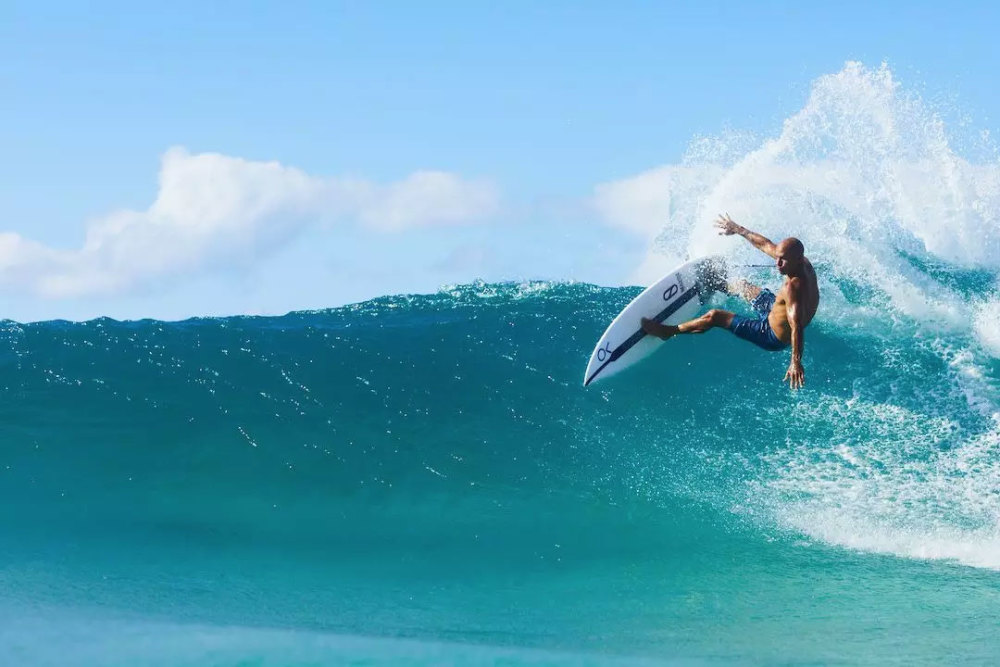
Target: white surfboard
{"points": [[673, 299]]}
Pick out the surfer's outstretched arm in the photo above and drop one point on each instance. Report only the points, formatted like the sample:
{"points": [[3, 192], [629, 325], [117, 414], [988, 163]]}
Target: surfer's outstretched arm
{"points": [[762, 243]]}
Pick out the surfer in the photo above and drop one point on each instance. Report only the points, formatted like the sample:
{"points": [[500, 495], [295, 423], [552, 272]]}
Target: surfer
{"points": [[781, 320]]}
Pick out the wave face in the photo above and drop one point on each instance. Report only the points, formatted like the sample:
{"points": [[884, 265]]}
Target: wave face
{"points": [[429, 469]]}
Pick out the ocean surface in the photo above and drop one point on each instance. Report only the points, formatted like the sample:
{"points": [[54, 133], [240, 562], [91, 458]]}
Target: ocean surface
{"points": [[423, 480]]}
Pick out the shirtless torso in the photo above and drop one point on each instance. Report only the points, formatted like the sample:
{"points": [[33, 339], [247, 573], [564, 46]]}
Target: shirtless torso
{"points": [[808, 300]]}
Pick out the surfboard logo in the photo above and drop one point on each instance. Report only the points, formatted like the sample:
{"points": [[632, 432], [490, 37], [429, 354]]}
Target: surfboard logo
{"points": [[671, 292], [604, 352]]}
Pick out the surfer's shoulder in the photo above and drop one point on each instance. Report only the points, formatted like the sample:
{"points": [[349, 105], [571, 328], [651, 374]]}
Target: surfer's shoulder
{"points": [[794, 284]]}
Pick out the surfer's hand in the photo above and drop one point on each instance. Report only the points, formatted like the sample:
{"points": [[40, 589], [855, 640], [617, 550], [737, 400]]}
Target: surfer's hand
{"points": [[795, 375], [726, 224]]}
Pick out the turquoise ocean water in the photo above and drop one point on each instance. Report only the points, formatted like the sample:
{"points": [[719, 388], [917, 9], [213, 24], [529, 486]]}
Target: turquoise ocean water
{"points": [[423, 479], [429, 469]]}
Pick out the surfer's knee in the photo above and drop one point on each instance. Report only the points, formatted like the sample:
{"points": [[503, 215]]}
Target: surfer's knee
{"points": [[719, 318]]}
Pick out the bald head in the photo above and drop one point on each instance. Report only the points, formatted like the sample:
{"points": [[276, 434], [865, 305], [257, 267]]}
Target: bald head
{"points": [[790, 256], [791, 248]]}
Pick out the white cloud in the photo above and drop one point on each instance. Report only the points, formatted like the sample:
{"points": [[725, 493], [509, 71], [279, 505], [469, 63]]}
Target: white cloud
{"points": [[639, 203], [425, 198], [646, 202], [653, 204], [213, 209]]}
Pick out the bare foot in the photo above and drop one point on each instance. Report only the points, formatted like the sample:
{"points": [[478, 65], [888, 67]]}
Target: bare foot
{"points": [[654, 328]]}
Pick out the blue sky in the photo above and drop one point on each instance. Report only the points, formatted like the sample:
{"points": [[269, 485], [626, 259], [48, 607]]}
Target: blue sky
{"points": [[518, 110]]}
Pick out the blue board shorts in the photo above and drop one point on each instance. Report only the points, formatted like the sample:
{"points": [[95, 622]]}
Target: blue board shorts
{"points": [[757, 330]]}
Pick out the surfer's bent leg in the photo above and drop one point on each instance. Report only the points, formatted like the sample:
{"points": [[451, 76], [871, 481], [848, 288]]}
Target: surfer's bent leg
{"points": [[713, 318]]}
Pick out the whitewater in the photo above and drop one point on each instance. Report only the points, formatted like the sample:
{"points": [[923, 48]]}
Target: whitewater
{"points": [[422, 479]]}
